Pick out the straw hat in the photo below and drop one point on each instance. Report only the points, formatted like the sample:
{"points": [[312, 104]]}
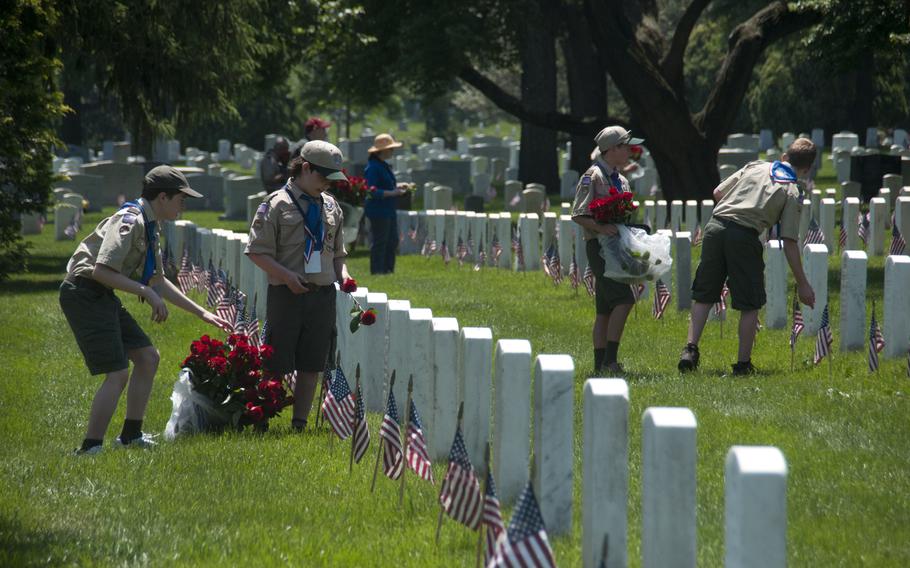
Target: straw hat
{"points": [[384, 142]]}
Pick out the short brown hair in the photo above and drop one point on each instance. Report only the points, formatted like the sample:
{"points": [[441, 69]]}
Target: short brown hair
{"points": [[295, 167], [151, 193], [801, 153]]}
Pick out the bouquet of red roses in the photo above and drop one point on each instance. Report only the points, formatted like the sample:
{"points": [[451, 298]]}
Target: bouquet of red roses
{"points": [[353, 191], [223, 383], [617, 207]]}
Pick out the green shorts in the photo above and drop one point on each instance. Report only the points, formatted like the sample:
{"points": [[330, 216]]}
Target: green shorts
{"points": [[733, 253], [607, 293], [104, 330], [301, 329]]}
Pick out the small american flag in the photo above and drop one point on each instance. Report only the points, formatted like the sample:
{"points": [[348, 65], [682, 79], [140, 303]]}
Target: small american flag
{"points": [[201, 277], [361, 428], [661, 299], [862, 226], [721, 306], [211, 298], [461, 251], [518, 250], [637, 290], [185, 275], [492, 518], [496, 249], [418, 456], [798, 323], [338, 406], [898, 245], [226, 308], [240, 322], [525, 543], [481, 258], [876, 342], [842, 238], [470, 251], [814, 235], [390, 439], [412, 233], [460, 496], [824, 339], [573, 273], [264, 336], [589, 280], [554, 267], [446, 255], [698, 236], [167, 261], [252, 327]]}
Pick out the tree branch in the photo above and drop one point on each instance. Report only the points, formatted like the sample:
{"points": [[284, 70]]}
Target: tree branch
{"points": [[746, 44], [672, 64], [584, 126]]}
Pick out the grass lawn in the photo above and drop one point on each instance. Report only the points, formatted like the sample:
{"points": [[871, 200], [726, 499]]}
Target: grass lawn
{"points": [[281, 498]]}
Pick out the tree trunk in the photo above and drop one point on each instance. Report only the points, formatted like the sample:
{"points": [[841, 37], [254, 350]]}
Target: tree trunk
{"points": [[537, 160], [863, 99], [71, 126]]}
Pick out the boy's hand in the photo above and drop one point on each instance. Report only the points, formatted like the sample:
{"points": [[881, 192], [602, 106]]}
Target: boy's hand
{"points": [[159, 310], [219, 322], [296, 283], [609, 229], [806, 294]]}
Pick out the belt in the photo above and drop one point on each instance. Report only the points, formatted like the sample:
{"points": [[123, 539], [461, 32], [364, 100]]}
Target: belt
{"points": [[733, 224], [87, 283]]}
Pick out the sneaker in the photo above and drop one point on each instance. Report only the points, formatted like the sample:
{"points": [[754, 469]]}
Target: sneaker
{"points": [[688, 360], [743, 369], [615, 368], [94, 450], [143, 441]]}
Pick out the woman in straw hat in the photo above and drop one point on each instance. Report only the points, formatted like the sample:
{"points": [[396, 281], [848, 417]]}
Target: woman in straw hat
{"points": [[380, 206]]}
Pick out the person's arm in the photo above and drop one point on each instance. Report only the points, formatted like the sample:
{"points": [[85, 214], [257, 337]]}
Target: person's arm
{"points": [[592, 225], [114, 279], [271, 267], [803, 288], [341, 268], [173, 295]]}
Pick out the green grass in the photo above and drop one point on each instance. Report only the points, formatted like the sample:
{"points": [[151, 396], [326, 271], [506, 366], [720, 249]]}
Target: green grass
{"points": [[281, 498]]}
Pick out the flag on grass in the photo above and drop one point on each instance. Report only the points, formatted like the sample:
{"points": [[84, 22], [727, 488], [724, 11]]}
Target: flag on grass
{"points": [[252, 326], [698, 236], [863, 226], [573, 273], [496, 250], [418, 456], [637, 290], [824, 339], [898, 245], [226, 308], [481, 258], [460, 495], [525, 542], [721, 306], [842, 238], [590, 282], [517, 250], [338, 406], [554, 267], [461, 251], [492, 518], [390, 440], [798, 323], [470, 243], [446, 255], [876, 342], [814, 235], [661, 298], [240, 323], [361, 429]]}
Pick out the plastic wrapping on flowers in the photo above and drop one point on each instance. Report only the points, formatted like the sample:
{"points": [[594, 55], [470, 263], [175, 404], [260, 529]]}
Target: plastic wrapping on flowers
{"points": [[633, 256]]}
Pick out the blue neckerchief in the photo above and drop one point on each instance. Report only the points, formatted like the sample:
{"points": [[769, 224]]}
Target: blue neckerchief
{"points": [[613, 177], [151, 238], [782, 173], [313, 226]]}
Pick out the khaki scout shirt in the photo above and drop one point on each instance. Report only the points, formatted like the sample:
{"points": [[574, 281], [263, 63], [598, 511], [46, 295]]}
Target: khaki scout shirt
{"points": [[752, 199], [592, 185], [118, 242], [278, 231]]}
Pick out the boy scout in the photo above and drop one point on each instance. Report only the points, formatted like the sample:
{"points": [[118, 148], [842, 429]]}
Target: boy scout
{"points": [[748, 202], [613, 300], [122, 249], [296, 239]]}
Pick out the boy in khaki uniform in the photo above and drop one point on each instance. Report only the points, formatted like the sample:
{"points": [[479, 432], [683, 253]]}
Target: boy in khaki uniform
{"points": [[296, 238], [123, 253], [613, 300], [753, 199]]}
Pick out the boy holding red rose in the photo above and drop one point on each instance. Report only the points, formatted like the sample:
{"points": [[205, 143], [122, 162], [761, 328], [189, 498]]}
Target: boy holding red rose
{"points": [[604, 186]]}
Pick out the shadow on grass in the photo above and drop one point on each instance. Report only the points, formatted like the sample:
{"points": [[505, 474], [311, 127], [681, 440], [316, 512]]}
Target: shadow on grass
{"points": [[875, 281], [21, 286], [28, 547]]}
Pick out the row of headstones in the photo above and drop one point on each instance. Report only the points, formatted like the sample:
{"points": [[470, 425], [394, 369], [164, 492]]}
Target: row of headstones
{"points": [[451, 364], [881, 209], [843, 140], [530, 198]]}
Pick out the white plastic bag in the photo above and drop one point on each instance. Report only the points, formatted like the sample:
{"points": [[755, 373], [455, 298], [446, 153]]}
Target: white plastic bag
{"points": [[193, 412], [633, 256]]}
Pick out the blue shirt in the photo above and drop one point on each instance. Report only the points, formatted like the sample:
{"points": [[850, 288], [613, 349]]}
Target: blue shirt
{"points": [[379, 174]]}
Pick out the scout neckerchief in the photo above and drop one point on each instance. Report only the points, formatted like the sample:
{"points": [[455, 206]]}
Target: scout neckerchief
{"points": [[313, 227], [151, 238], [613, 177], [782, 173]]}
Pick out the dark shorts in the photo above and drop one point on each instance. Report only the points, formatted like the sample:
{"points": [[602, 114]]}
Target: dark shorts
{"points": [[733, 253], [300, 328], [104, 330], [607, 293]]}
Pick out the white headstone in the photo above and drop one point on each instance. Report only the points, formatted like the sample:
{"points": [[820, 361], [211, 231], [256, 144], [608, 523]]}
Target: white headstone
{"points": [[776, 286], [554, 411], [815, 259], [707, 208], [826, 213], [399, 322], [902, 216], [691, 215], [511, 417], [567, 184], [896, 319], [660, 219], [676, 213], [844, 141], [878, 218], [475, 361], [374, 370], [853, 330], [445, 373], [529, 227], [605, 472], [420, 364], [804, 216], [683, 263]]}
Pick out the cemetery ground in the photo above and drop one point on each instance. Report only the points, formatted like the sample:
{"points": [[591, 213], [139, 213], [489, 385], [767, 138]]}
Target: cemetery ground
{"points": [[284, 498]]}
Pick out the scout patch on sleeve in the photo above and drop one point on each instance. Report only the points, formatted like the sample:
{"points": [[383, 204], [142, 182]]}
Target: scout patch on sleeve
{"points": [[586, 179], [261, 213], [126, 223]]}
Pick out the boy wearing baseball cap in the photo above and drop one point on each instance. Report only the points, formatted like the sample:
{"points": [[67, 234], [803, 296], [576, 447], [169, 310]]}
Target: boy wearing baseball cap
{"points": [[296, 239], [124, 253], [613, 300]]}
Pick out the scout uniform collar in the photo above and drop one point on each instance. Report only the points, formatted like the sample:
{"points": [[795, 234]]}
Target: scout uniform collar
{"points": [[609, 173], [313, 225], [151, 235], [782, 172]]}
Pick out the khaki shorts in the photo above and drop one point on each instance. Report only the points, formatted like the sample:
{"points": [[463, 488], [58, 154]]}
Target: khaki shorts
{"points": [[300, 329], [104, 330], [733, 253], [607, 293]]}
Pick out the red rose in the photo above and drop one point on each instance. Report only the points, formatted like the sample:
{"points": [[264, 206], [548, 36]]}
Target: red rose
{"points": [[368, 317], [266, 351], [349, 286], [251, 395], [218, 364], [254, 412]]}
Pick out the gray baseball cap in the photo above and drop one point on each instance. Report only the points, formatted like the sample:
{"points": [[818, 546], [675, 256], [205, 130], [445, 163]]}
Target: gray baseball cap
{"points": [[326, 159], [614, 135], [167, 177]]}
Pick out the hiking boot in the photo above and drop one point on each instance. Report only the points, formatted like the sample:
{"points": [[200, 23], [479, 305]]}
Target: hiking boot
{"points": [[688, 359], [143, 441], [744, 368]]}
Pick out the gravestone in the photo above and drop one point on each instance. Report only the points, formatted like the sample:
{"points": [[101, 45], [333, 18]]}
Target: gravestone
{"points": [[755, 508], [853, 300], [91, 187], [481, 185], [568, 181], [120, 179], [726, 171], [490, 151], [786, 140], [121, 152], [707, 208], [398, 356], [735, 157], [850, 189], [765, 139], [456, 174], [826, 213], [804, 216], [844, 141], [475, 359], [31, 223], [529, 231], [815, 197], [252, 204], [683, 263], [224, 150], [511, 417], [893, 182], [64, 214], [776, 286], [512, 189], [896, 323], [420, 365], [902, 215], [554, 413], [676, 213], [818, 138], [605, 472], [375, 368], [442, 197], [660, 219], [236, 191], [668, 456], [565, 241], [849, 222], [547, 231], [691, 216], [444, 344], [532, 200], [479, 165], [247, 273], [504, 233], [878, 217], [815, 260], [872, 137]]}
